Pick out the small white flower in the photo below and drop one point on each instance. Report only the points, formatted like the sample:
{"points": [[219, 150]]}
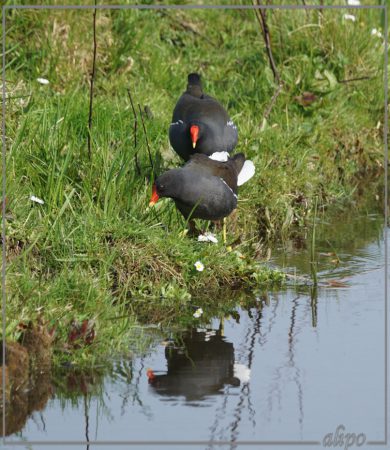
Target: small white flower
{"points": [[207, 237], [198, 312], [199, 266], [375, 32], [42, 80], [349, 17], [36, 200], [353, 2]]}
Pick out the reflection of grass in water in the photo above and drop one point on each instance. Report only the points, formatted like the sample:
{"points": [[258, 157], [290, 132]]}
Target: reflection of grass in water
{"points": [[94, 250], [313, 256], [341, 232]]}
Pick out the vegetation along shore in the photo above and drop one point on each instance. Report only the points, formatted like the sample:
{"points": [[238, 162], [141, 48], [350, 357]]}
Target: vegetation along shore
{"points": [[87, 133]]}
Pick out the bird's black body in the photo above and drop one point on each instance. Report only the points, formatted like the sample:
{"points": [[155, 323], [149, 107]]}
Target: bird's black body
{"points": [[217, 131], [203, 188]]}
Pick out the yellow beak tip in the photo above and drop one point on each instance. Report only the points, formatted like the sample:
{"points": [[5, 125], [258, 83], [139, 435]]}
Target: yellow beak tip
{"points": [[193, 144]]}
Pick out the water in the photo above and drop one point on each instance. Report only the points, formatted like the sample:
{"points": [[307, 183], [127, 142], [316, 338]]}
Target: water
{"points": [[293, 367]]}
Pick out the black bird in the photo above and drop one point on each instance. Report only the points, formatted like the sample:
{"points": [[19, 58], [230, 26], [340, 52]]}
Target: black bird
{"points": [[204, 188], [200, 124]]}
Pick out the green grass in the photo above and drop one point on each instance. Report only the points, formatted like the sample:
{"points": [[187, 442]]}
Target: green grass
{"points": [[94, 249]]}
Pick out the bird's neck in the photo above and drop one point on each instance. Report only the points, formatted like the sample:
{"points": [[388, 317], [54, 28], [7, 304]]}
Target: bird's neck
{"points": [[195, 90]]}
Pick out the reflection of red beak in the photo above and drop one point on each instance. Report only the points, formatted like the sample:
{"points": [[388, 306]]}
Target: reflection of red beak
{"points": [[151, 376], [194, 132], [154, 198]]}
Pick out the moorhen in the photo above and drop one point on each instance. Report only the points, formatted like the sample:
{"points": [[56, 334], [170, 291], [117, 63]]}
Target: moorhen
{"points": [[200, 124], [204, 187]]}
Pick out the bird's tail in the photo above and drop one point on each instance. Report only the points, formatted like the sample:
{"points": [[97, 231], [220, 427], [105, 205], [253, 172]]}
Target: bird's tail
{"points": [[244, 167], [246, 173]]}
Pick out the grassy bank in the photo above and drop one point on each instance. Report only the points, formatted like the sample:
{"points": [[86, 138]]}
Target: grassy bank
{"points": [[94, 250]]}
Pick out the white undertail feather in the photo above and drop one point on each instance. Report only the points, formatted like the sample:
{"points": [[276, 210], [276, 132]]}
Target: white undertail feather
{"points": [[247, 172], [220, 156], [242, 372]]}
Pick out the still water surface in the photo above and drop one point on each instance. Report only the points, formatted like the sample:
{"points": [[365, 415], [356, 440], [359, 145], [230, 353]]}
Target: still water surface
{"points": [[293, 367]]}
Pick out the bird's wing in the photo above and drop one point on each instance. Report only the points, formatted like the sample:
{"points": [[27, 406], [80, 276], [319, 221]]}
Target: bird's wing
{"points": [[203, 165]]}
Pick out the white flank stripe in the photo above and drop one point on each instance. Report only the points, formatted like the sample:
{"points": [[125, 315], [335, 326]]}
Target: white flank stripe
{"points": [[179, 122], [223, 181], [220, 156], [247, 172], [231, 124]]}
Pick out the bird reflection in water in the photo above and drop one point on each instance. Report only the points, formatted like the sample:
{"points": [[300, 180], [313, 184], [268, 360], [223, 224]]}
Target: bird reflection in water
{"points": [[200, 367]]}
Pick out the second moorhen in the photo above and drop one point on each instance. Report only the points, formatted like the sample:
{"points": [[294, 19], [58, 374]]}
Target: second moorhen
{"points": [[204, 188], [200, 124]]}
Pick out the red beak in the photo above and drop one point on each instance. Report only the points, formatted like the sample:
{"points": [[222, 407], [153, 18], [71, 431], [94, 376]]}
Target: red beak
{"points": [[154, 198], [194, 131]]}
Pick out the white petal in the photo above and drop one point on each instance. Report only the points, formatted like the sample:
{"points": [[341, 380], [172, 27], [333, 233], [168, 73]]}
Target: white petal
{"points": [[375, 32], [207, 237], [220, 156], [353, 2], [198, 313], [247, 172], [36, 200], [349, 17], [199, 266], [42, 80]]}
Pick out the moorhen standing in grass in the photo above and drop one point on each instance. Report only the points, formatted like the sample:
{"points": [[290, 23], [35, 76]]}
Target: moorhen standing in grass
{"points": [[205, 188], [200, 124]]}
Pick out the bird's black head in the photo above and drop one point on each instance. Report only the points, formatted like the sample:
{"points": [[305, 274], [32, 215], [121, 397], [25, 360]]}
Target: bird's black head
{"points": [[166, 185], [194, 86], [194, 79]]}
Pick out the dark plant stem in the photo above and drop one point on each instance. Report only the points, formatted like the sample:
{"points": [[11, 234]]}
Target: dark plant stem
{"points": [[147, 141], [272, 102], [262, 19], [137, 167], [320, 12], [261, 15], [86, 416], [313, 262], [350, 80], [313, 304], [92, 82]]}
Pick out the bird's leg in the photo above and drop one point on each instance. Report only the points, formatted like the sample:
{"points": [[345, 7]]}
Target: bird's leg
{"points": [[192, 228], [217, 224]]}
